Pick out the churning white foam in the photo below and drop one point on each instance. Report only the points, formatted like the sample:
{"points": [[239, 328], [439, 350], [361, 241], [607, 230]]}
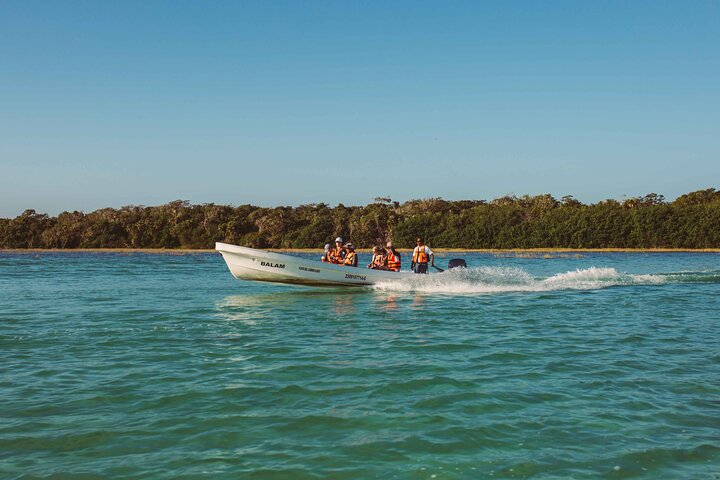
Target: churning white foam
{"points": [[511, 279]]}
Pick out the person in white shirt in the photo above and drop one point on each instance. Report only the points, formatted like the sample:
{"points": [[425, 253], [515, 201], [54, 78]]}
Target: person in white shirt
{"points": [[421, 255]]}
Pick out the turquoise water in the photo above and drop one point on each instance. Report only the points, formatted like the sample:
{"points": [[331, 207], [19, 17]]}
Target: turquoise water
{"points": [[164, 366]]}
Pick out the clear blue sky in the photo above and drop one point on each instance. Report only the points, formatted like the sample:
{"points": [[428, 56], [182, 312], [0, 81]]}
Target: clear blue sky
{"points": [[115, 103]]}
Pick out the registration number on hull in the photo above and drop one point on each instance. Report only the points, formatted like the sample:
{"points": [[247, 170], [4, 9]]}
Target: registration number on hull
{"points": [[350, 276]]}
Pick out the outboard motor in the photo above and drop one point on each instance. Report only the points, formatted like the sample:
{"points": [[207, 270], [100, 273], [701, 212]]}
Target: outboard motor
{"points": [[456, 262]]}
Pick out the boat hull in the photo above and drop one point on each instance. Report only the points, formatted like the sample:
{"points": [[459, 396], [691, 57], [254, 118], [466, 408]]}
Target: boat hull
{"points": [[258, 265]]}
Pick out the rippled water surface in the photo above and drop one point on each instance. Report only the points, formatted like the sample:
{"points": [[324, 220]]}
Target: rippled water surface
{"points": [[164, 366]]}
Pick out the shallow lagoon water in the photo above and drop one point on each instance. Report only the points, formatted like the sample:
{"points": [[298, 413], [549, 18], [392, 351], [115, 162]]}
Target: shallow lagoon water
{"points": [[163, 366]]}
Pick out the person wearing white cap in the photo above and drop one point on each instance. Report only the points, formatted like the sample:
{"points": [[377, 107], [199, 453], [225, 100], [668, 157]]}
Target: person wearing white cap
{"points": [[338, 256]]}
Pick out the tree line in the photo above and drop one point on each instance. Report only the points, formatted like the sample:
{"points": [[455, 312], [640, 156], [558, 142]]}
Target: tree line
{"points": [[542, 221]]}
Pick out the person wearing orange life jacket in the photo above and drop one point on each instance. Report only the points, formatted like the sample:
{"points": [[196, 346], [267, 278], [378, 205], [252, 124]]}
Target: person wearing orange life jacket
{"points": [[375, 258], [393, 258], [381, 259], [351, 258], [337, 254], [421, 255], [333, 256]]}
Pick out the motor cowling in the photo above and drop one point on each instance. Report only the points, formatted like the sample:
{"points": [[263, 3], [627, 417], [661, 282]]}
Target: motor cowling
{"points": [[456, 263]]}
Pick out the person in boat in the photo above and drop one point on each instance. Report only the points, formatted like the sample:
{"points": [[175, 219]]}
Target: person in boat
{"points": [[351, 258], [373, 262], [326, 256], [421, 255], [392, 258], [378, 259], [339, 253]]}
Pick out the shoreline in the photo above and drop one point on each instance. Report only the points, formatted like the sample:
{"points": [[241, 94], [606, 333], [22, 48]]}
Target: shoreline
{"points": [[190, 251]]}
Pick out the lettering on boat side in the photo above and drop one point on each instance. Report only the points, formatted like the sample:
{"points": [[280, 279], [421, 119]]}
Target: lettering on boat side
{"points": [[355, 277], [274, 265], [308, 269]]}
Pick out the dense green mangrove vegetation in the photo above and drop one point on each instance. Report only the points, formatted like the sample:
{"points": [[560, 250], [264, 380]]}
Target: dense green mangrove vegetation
{"points": [[690, 221]]}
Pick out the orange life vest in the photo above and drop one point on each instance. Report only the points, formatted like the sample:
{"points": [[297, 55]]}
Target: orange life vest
{"points": [[336, 255], [350, 259], [378, 260], [393, 261], [419, 255]]}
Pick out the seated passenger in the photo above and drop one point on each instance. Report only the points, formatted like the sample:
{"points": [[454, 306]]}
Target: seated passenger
{"points": [[351, 258], [339, 252], [393, 258], [326, 256], [378, 259], [373, 262]]}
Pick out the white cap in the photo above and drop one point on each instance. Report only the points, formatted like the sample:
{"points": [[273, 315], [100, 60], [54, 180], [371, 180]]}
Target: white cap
{"points": [[327, 247], [338, 239]]}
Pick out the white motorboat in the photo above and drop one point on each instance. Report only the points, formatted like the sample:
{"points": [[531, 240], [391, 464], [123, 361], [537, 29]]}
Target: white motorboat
{"points": [[252, 264]]}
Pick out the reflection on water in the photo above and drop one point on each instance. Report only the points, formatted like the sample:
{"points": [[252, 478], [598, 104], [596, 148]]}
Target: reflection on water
{"points": [[254, 307], [243, 308], [339, 302], [344, 305], [323, 304], [390, 303], [418, 301]]}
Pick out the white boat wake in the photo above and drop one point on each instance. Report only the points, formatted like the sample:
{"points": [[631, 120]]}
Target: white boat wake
{"points": [[513, 279]]}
